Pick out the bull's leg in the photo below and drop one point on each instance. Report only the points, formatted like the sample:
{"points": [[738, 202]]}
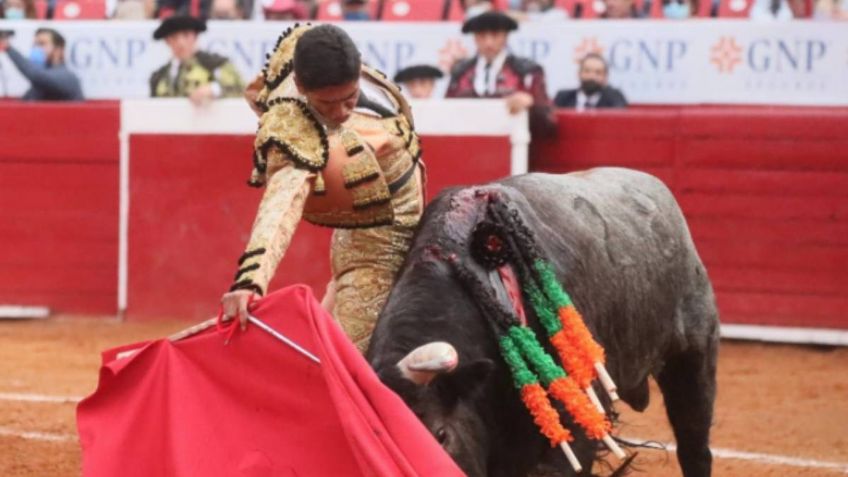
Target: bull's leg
{"points": [[688, 385]]}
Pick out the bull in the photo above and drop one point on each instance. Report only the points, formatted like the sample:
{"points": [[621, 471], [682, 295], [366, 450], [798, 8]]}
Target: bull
{"points": [[620, 245]]}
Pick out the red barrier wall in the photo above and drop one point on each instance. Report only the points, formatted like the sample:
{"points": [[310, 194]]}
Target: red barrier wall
{"points": [[765, 191], [191, 213], [59, 205]]}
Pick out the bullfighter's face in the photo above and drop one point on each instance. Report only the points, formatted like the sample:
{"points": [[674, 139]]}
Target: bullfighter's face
{"points": [[420, 88], [490, 43], [183, 44], [334, 104]]}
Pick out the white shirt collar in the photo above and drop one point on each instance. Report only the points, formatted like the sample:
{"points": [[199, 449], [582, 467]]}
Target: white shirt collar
{"points": [[584, 100], [481, 86]]}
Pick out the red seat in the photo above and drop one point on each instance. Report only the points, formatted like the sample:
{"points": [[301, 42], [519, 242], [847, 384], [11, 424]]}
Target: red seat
{"points": [[331, 10], [704, 8], [735, 8], [74, 10], [568, 5], [455, 11], [457, 14], [413, 10], [589, 9]]}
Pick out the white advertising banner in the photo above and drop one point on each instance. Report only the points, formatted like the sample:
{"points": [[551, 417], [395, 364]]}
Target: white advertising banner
{"points": [[660, 62]]}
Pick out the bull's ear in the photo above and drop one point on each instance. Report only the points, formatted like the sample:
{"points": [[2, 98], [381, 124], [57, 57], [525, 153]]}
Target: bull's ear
{"points": [[466, 380]]}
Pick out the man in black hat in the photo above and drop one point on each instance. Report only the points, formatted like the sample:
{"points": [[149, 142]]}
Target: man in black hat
{"points": [[496, 73], [199, 75], [418, 81]]}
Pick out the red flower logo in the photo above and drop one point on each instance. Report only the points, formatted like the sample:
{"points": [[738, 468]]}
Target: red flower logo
{"points": [[586, 46], [726, 54]]}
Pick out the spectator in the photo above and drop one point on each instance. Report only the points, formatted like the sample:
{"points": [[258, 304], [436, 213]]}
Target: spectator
{"points": [[831, 10], [50, 79], [618, 9], [472, 8], [355, 10], [541, 11], [679, 9], [131, 9], [496, 73], [226, 10], [284, 10], [418, 81], [199, 75], [780, 10], [594, 91], [194, 8], [17, 9]]}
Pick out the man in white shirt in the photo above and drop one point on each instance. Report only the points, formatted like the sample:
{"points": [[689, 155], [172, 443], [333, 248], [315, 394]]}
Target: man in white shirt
{"points": [[494, 72]]}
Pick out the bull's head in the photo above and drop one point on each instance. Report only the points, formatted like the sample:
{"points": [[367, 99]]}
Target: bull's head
{"points": [[444, 400]]}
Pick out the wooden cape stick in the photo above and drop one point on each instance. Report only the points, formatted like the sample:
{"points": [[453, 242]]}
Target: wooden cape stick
{"points": [[193, 330]]}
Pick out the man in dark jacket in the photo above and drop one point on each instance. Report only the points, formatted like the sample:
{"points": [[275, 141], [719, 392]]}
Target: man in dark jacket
{"points": [[50, 79], [594, 92], [496, 73], [197, 74]]}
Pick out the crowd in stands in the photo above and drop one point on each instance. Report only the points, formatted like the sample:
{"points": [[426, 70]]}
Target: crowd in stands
{"points": [[493, 71], [422, 10]]}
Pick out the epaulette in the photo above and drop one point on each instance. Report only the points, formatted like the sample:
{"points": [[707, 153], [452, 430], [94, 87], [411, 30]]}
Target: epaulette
{"points": [[281, 61], [392, 89], [291, 126], [523, 66], [462, 66], [210, 61]]}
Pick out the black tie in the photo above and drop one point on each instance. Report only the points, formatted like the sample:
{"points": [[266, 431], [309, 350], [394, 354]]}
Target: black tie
{"points": [[486, 79]]}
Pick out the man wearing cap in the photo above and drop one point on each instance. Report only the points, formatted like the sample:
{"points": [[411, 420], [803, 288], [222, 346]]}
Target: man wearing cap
{"points": [[199, 75], [418, 81], [497, 73], [335, 146]]}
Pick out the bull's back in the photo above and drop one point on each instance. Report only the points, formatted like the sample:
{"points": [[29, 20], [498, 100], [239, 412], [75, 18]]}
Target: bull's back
{"points": [[631, 215], [623, 250]]}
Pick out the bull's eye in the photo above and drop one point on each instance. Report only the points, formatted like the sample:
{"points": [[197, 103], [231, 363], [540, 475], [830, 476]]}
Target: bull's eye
{"points": [[441, 435]]}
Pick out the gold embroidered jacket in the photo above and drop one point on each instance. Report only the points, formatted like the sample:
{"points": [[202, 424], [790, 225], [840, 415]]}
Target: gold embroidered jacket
{"points": [[353, 176]]}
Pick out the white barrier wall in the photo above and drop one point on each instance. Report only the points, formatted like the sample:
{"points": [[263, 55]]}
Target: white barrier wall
{"points": [[653, 61]]}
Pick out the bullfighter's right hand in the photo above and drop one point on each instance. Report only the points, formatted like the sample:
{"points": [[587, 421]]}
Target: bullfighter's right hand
{"points": [[235, 303]]}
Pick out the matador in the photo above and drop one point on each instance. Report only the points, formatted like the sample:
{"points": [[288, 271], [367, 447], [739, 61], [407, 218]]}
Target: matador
{"points": [[336, 147]]}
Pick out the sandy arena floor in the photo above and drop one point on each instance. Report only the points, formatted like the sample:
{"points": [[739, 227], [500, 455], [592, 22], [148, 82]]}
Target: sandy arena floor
{"points": [[781, 411]]}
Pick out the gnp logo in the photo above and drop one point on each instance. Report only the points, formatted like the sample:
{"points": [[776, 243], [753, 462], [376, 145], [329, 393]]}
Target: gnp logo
{"points": [[767, 55], [636, 56]]}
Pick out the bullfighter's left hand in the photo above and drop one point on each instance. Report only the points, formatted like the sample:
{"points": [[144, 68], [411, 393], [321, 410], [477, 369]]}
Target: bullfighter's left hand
{"points": [[518, 101], [202, 95]]}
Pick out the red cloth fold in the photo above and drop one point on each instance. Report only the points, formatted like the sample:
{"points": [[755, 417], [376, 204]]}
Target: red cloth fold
{"points": [[253, 407]]}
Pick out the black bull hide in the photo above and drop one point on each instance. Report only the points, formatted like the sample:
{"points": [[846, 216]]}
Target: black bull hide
{"points": [[622, 250]]}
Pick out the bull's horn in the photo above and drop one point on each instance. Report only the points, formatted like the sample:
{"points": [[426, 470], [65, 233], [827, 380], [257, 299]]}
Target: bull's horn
{"points": [[423, 363]]}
